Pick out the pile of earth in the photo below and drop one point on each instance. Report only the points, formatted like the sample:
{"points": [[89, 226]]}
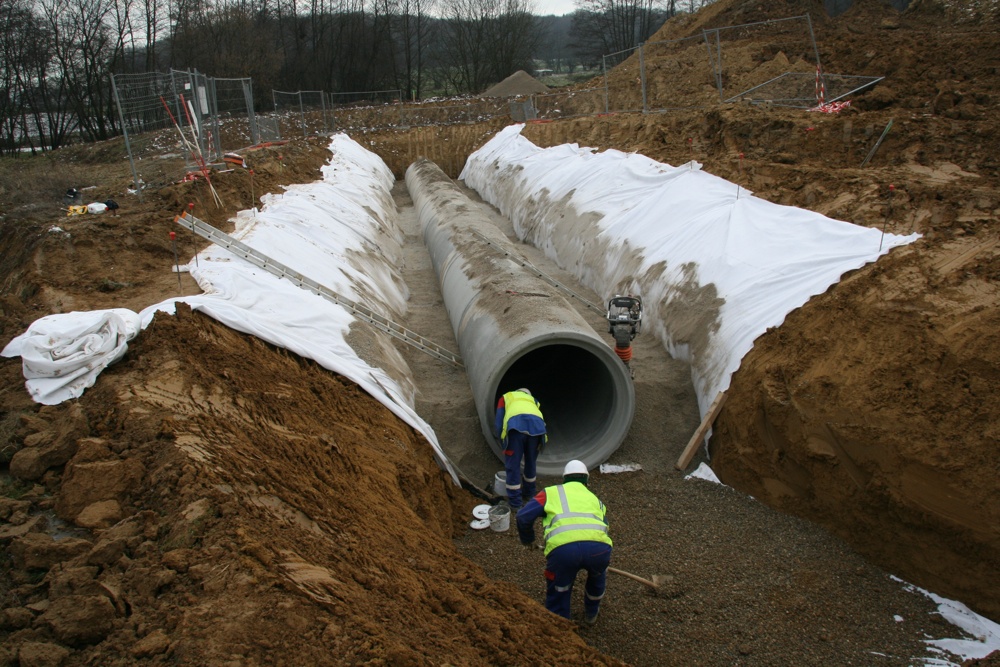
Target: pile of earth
{"points": [[518, 83]]}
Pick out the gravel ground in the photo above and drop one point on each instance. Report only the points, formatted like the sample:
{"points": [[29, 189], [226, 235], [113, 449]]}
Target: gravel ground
{"points": [[748, 586], [745, 585]]}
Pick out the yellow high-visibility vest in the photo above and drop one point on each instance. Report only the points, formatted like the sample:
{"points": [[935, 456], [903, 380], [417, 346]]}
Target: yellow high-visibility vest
{"points": [[518, 403], [573, 514]]}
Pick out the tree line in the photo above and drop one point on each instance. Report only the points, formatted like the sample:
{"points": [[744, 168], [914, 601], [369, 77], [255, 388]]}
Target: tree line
{"points": [[56, 56]]}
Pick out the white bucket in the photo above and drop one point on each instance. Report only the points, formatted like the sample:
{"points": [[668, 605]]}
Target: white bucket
{"points": [[500, 517], [500, 483]]}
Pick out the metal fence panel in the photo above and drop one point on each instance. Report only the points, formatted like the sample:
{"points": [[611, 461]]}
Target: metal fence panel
{"points": [[234, 103], [171, 121], [307, 109], [744, 56], [678, 74], [589, 102]]}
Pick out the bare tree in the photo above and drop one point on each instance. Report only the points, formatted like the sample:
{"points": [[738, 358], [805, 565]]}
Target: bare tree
{"points": [[412, 35], [153, 21], [486, 41], [18, 42], [408, 31], [123, 16], [84, 47], [612, 26]]}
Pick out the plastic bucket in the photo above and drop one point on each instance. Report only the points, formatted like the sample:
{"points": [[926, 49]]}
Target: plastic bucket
{"points": [[500, 483], [500, 517]]}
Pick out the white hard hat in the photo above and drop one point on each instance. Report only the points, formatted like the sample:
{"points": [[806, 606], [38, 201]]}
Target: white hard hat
{"points": [[523, 391], [575, 467]]}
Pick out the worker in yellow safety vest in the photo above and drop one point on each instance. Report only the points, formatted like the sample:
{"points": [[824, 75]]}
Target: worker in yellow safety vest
{"points": [[521, 429], [575, 529]]}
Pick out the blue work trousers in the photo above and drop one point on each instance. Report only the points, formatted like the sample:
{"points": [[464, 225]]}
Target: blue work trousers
{"points": [[560, 572], [521, 446]]}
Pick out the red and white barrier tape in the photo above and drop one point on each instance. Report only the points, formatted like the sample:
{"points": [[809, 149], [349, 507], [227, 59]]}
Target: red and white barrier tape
{"points": [[820, 87], [832, 107]]}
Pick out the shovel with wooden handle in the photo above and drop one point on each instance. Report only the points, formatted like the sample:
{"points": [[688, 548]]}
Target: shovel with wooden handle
{"points": [[657, 585]]}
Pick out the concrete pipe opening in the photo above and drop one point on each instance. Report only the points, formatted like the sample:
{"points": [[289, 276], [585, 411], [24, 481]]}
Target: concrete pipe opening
{"points": [[516, 330], [587, 403]]}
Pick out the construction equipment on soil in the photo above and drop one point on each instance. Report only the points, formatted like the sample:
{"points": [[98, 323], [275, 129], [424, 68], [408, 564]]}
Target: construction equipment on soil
{"points": [[194, 148], [624, 321], [657, 585]]}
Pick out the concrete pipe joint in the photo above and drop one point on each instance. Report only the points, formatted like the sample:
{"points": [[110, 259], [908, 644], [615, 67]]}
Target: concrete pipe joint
{"points": [[515, 330]]}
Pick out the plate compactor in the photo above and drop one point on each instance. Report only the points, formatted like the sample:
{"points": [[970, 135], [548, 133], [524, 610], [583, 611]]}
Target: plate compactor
{"points": [[624, 322]]}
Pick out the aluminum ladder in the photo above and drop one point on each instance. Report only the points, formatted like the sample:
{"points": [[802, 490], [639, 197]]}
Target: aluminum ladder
{"points": [[262, 261]]}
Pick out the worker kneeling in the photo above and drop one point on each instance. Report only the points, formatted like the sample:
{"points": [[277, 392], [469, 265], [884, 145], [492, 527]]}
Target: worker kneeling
{"points": [[575, 529]]}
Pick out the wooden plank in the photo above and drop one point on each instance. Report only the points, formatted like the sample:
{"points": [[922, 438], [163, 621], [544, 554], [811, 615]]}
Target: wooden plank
{"points": [[699, 434]]}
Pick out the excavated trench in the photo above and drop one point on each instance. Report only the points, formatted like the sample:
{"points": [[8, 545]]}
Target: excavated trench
{"points": [[516, 330]]}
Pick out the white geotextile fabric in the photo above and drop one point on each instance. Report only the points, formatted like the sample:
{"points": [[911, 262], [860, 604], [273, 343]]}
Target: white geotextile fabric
{"points": [[763, 259], [62, 355], [339, 231]]}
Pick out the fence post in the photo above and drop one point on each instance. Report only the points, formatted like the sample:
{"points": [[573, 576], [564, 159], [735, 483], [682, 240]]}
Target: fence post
{"points": [[128, 146], [708, 45], [642, 77], [604, 65], [213, 106], [399, 97], [812, 37], [178, 112], [302, 114], [251, 117], [718, 62], [716, 67]]}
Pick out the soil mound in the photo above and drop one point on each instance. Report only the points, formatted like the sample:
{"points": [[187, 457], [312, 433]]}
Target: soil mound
{"points": [[518, 83], [255, 530]]}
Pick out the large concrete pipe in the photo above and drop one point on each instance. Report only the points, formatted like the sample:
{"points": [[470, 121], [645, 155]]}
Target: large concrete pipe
{"points": [[515, 330]]}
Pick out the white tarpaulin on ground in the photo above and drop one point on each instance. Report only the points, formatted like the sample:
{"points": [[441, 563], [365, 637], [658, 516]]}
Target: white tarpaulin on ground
{"points": [[62, 355], [715, 266], [339, 231]]}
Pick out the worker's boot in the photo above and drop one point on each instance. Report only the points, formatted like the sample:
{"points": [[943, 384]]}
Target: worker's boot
{"points": [[514, 500], [528, 488]]}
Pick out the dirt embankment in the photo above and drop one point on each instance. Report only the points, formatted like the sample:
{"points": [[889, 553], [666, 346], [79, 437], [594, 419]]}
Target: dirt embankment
{"points": [[248, 525], [870, 410]]}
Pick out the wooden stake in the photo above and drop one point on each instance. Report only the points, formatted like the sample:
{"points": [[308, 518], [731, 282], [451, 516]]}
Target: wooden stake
{"points": [[177, 265], [699, 434], [888, 212]]}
